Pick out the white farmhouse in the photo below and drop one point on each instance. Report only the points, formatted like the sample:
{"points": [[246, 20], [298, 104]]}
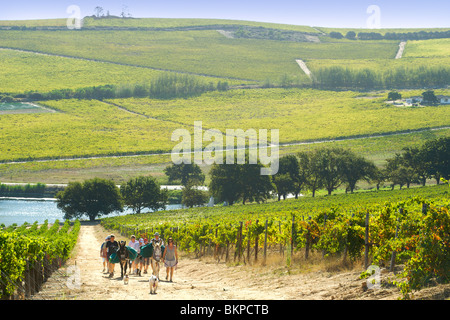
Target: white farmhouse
{"points": [[443, 99]]}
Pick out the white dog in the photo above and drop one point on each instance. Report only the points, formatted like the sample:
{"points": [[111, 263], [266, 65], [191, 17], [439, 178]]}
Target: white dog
{"points": [[153, 284]]}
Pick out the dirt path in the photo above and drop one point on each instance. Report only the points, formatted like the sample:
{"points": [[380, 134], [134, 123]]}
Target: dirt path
{"points": [[197, 279], [401, 48], [304, 67]]}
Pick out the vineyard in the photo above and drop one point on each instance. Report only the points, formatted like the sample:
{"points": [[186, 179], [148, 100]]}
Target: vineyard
{"points": [[383, 228], [30, 253], [201, 51]]}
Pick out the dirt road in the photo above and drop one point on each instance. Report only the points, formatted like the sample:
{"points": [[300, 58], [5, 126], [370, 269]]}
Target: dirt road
{"points": [[200, 279]]}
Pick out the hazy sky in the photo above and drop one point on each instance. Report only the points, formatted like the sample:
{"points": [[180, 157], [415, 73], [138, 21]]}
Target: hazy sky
{"points": [[327, 13]]}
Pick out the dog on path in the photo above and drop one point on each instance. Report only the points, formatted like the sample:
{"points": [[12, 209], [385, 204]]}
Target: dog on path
{"points": [[153, 284]]}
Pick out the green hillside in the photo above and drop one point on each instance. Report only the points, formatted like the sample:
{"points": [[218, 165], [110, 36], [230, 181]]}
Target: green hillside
{"points": [[264, 87]]}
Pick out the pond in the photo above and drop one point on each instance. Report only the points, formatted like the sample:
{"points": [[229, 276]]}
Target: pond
{"points": [[30, 210]]}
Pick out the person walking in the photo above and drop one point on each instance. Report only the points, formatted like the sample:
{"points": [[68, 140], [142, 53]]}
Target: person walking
{"points": [[103, 254], [111, 248], [154, 241], [145, 261], [135, 245], [170, 257], [157, 239]]}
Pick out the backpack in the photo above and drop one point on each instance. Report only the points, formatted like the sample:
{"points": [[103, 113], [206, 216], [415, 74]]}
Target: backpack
{"points": [[147, 250], [132, 253], [113, 258]]}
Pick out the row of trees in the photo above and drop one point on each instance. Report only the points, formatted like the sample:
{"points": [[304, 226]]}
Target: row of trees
{"points": [[166, 86], [18, 190], [324, 168], [421, 35], [366, 79], [417, 164], [329, 169], [97, 197]]}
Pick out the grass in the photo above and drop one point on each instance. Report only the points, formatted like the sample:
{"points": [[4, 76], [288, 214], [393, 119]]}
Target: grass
{"points": [[88, 128], [123, 168], [34, 23], [80, 128], [299, 114], [27, 71], [177, 23], [428, 48], [378, 65], [202, 52], [382, 31]]}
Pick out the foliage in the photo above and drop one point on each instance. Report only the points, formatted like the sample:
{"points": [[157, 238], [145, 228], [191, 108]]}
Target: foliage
{"points": [[421, 242], [26, 245], [94, 197], [394, 95], [80, 128], [233, 181], [420, 163], [339, 77], [203, 52], [193, 196], [186, 174], [143, 192], [14, 190]]}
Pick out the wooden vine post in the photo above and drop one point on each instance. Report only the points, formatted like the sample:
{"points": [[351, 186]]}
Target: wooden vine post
{"points": [[324, 224], [366, 243], [239, 242], [281, 245], [307, 240], [394, 252], [256, 243], [346, 240], [265, 242]]}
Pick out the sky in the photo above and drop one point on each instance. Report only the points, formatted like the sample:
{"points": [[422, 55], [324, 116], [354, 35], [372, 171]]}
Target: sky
{"points": [[324, 13]]}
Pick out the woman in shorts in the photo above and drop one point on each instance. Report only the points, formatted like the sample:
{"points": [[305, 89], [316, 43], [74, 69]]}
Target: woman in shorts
{"points": [[170, 257]]}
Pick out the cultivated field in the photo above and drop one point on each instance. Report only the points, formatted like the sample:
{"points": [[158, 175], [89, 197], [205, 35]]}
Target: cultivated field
{"points": [[92, 121]]}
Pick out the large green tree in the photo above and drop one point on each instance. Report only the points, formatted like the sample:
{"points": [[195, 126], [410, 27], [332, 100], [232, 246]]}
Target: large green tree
{"points": [[438, 158], [144, 192], [193, 196], [354, 168], [185, 174], [233, 182], [94, 198], [310, 170], [331, 162], [399, 172], [288, 179]]}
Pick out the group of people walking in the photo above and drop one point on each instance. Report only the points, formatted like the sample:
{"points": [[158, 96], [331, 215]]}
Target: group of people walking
{"points": [[169, 256]]}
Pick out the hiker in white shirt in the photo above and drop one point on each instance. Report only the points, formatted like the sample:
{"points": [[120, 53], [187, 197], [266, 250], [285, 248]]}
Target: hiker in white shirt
{"points": [[135, 245]]}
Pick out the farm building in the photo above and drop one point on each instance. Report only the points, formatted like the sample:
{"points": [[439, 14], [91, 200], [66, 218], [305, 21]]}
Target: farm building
{"points": [[443, 99], [413, 100]]}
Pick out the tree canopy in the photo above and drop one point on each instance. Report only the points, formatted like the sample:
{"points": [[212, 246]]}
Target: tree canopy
{"points": [[144, 192], [94, 198]]}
